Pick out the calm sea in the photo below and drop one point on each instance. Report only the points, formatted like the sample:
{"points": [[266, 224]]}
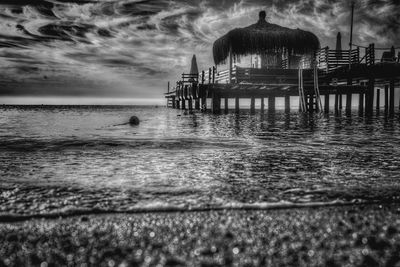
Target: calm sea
{"points": [[56, 159]]}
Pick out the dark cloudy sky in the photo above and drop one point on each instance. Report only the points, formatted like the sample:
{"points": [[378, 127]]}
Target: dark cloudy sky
{"points": [[130, 48]]}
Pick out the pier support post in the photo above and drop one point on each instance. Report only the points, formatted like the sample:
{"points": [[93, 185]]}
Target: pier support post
{"points": [[340, 101], [252, 105], [361, 103], [204, 103], [173, 102], [369, 97], [326, 104], [226, 106], [271, 104], [391, 104], [287, 103], [349, 97], [237, 105], [197, 104], [216, 103], [190, 104], [183, 104], [177, 105], [336, 102], [262, 105], [309, 103], [386, 98], [378, 98]]}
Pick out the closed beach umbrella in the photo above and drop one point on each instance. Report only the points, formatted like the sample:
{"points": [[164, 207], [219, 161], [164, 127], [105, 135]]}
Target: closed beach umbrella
{"points": [[193, 68], [339, 46], [263, 37]]}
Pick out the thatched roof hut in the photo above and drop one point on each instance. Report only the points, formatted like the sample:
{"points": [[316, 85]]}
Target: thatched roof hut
{"points": [[263, 37]]}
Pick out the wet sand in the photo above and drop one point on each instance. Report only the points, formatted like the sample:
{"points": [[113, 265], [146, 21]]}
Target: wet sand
{"points": [[364, 235]]}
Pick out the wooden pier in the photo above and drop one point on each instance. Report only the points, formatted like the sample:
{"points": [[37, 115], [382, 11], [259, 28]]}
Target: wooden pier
{"points": [[339, 73]]}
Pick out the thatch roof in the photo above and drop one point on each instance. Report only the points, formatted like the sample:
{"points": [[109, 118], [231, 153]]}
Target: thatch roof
{"points": [[264, 37]]}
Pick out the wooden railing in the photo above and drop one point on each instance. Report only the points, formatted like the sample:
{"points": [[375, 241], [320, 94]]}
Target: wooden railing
{"points": [[330, 60], [327, 61]]}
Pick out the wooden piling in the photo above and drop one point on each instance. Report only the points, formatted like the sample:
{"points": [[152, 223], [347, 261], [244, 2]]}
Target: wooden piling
{"points": [[361, 103], [349, 97], [386, 97], [287, 103], [369, 97], [262, 105], [204, 103], [216, 103], [271, 103], [391, 98], [378, 98], [340, 101], [177, 105], [197, 104], [183, 104], [226, 106], [173, 101], [336, 102], [237, 109], [190, 104], [326, 100], [252, 105]]}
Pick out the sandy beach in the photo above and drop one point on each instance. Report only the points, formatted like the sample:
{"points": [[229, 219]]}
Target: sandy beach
{"points": [[363, 235]]}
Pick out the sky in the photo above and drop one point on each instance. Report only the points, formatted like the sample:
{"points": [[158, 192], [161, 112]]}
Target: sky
{"points": [[131, 48]]}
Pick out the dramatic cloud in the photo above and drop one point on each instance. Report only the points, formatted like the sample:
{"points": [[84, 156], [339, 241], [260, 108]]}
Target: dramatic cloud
{"points": [[132, 47]]}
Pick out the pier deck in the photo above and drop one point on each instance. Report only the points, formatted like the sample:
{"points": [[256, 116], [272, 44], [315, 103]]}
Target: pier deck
{"points": [[333, 78]]}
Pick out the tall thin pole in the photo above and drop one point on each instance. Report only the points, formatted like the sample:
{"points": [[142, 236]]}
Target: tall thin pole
{"points": [[230, 63], [351, 32]]}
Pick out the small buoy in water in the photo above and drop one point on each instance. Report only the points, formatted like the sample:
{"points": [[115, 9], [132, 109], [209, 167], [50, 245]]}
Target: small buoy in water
{"points": [[134, 120]]}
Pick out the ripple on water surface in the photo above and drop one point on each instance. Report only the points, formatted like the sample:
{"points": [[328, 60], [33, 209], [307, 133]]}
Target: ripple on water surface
{"points": [[55, 159]]}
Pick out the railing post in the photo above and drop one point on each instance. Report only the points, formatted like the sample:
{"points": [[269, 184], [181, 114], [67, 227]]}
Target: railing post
{"points": [[372, 51], [327, 58], [214, 72]]}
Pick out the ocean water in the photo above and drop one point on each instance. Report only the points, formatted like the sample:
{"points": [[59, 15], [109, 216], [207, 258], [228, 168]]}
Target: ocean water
{"points": [[66, 159]]}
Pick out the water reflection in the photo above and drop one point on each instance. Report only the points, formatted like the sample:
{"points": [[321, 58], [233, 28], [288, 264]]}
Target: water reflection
{"points": [[82, 160]]}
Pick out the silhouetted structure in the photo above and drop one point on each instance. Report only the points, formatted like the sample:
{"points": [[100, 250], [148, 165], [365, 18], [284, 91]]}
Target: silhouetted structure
{"points": [[316, 72]]}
